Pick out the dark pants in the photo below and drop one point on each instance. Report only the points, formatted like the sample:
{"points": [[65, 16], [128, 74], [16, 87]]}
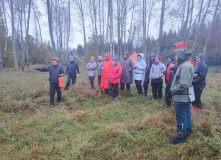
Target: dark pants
{"points": [[168, 95], [73, 78], [139, 87], [53, 87], [146, 88], [122, 85], [91, 79], [157, 85], [113, 89], [183, 117], [99, 80], [197, 102]]}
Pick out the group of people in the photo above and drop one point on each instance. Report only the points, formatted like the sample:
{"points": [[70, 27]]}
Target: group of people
{"points": [[180, 74]]}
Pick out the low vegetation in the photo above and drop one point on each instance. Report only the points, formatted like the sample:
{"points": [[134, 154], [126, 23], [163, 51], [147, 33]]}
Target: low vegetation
{"points": [[133, 128]]}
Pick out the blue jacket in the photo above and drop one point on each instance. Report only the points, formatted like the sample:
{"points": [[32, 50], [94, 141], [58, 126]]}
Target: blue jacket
{"points": [[139, 71], [201, 70]]}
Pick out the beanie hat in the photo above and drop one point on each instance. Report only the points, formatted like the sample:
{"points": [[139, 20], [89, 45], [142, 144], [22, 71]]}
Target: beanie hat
{"points": [[71, 57], [159, 57], [56, 59], [125, 52], [116, 58]]}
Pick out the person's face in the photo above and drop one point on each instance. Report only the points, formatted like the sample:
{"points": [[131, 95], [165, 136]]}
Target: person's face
{"points": [[92, 59], [152, 58], [99, 58], [197, 59], [54, 62], [169, 59], [175, 49], [106, 58], [114, 62], [125, 55], [139, 57], [71, 59], [157, 60]]}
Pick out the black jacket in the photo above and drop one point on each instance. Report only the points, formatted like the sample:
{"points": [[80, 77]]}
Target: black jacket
{"points": [[174, 69], [54, 72], [149, 65], [71, 68], [201, 70]]}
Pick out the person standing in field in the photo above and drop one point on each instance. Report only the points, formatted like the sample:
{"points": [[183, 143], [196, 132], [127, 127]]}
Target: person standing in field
{"points": [[156, 73], [169, 75], [147, 73], [127, 72], [180, 90], [199, 80], [55, 70], [139, 67], [91, 71], [99, 69], [71, 69], [114, 78], [105, 72]]}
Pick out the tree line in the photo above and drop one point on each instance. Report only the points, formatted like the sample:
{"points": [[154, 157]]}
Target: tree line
{"points": [[106, 26]]}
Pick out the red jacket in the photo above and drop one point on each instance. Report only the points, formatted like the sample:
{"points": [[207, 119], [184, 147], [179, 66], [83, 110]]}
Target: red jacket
{"points": [[106, 69], [115, 73]]}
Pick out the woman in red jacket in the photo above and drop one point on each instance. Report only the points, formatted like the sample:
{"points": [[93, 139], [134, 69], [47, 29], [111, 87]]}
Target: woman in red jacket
{"points": [[114, 78]]}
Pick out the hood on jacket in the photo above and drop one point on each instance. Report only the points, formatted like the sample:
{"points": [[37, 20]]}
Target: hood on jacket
{"points": [[172, 56], [202, 57], [125, 52], [152, 55], [180, 45], [142, 56], [107, 55], [183, 55]]}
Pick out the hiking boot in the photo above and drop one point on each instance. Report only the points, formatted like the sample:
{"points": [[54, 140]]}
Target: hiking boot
{"points": [[52, 106], [115, 100], [144, 96], [59, 102], [66, 88], [180, 138]]}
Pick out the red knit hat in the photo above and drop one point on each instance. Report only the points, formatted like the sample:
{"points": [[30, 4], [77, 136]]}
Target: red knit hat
{"points": [[159, 57]]}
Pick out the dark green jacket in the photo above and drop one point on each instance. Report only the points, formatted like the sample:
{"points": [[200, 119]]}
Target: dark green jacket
{"points": [[183, 77]]}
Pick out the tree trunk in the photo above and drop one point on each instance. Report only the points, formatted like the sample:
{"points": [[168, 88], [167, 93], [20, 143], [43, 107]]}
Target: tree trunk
{"points": [[1, 62], [210, 31], [161, 26], [50, 24], [144, 26], [200, 23], [21, 36], [13, 35]]}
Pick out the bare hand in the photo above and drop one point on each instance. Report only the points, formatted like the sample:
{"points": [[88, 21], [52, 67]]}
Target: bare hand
{"points": [[195, 75], [78, 74], [34, 68], [136, 66]]}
